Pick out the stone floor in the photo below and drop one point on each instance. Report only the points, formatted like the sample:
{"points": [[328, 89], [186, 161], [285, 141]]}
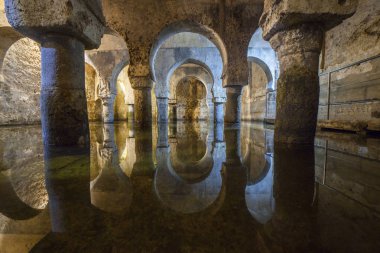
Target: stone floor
{"points": [[189, 187]]}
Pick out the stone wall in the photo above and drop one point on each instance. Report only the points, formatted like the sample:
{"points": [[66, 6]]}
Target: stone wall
{"points": [[350, 97], [255, 95], [20, 84], [94, 104], [191, 100]]}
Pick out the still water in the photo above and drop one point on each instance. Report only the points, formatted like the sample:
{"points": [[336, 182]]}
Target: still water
{"points": [[189, 188]]}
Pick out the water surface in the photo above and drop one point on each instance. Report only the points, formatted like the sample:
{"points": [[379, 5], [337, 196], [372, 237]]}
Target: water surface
{"points": [[189, 188]]}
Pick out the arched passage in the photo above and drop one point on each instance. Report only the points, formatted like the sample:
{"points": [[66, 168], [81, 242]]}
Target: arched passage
{"points": [[183, 27], [179, 49], [259, 97], [110, 59], [124, 96]]}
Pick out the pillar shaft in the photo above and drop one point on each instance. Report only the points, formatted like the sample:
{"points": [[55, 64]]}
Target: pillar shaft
{"points": [[298, 86], [162, 110], [108, 110], [233, 105], [143, 107], [63, 96]]}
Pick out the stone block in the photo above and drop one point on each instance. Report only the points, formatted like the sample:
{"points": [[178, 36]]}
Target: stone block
{"points": [[279, 15], [81, 19], [357, 83]]}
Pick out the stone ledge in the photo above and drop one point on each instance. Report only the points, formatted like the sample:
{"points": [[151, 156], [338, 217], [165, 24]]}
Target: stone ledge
{"points": [[351, 125]]}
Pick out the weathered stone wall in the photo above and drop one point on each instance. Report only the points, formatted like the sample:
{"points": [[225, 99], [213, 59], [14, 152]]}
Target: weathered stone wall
{"points": [[255, 95], [354, 93], [20, 84], [94, 104], [191, 100]]}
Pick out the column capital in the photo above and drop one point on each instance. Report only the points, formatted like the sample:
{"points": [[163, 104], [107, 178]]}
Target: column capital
{"points": [[234, 89], [75, 18], [141, 82], [284, 15], [219, 100]]}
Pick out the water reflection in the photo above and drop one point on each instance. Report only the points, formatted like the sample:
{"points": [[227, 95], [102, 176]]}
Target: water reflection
{"points": [[257, 158], [188, 178], [189, 188]]}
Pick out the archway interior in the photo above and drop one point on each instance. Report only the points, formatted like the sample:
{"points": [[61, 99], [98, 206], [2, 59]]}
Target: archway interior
{"points": [[259, 96], [124, 96], [187, 27], [94, 103], [182, 49], [191, 100]]}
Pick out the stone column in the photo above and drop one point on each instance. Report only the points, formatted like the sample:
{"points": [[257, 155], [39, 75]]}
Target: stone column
{"points": [[108, 109], [63, 96], [298, 86], [233, 106], [143, 100], [295, 30], [162, 110]]}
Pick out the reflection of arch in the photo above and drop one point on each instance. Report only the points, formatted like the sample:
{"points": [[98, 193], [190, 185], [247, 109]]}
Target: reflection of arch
{"points": [[265, 68], [263, 172], [259, 164], [190, 197], [186, 26], [259, 195], [202, 167], [111, 190]]}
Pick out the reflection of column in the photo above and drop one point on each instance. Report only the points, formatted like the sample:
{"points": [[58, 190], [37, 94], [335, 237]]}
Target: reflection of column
{"points": [[163, 135], [298, 86], [143, 147], [162, 110], [292, 226], [219, 109], [63, 97], [232, 137], [108, 109], [173, 110], [211, 109], [233, 105], [131, 112], [67, 184]]}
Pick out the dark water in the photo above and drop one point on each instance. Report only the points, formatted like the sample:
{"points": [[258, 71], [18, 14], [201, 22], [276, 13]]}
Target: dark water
{"points": [[189, 188]]}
